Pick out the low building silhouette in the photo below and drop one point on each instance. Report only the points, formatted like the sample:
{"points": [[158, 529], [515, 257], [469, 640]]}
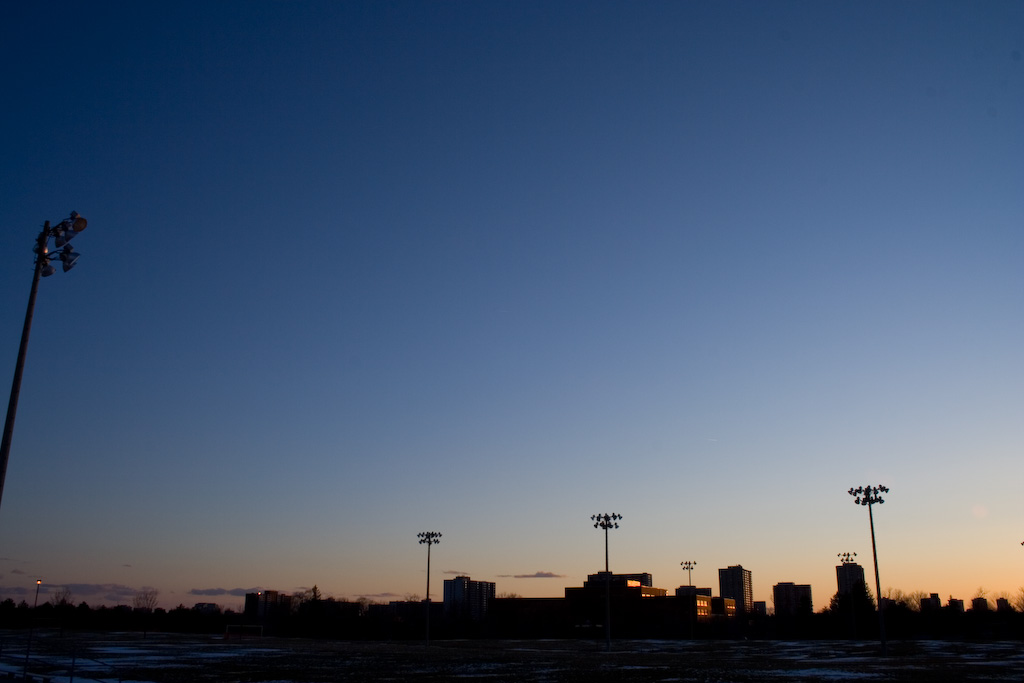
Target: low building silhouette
{"points": [[931, 604], [698, 601]]}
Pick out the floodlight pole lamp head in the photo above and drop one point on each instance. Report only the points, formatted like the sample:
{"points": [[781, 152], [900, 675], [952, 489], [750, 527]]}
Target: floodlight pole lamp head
{"points": [[606, 522], [62, 233], [688, 566]]}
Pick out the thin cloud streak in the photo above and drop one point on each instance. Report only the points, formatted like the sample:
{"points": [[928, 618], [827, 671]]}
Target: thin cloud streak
{"points": [[236, 592], [99, 593]]}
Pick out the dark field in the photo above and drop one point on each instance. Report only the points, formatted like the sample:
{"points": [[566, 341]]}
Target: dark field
{"points": [[161, 658]]}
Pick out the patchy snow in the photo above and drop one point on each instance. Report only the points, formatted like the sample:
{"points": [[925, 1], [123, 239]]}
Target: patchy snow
{"points": [[827, 674]]}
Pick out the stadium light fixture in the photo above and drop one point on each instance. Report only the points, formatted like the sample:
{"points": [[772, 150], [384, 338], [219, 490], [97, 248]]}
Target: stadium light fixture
{"points": [[429, 538], [62, 233], [688, 566], [869, 496], [606, 522]]}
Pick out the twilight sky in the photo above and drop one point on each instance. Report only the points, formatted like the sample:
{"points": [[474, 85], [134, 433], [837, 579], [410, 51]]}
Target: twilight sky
{"points": [[359, 270]]}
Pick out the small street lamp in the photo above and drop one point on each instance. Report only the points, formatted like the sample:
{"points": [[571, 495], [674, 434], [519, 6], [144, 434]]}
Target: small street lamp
{"points": [[870, 496], [61, 234], [606, 522], [430, 538], [688, 566]]}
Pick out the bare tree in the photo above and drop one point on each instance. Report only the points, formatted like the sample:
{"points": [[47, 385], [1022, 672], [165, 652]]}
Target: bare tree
{"points": [[914, 599], [145, 599], [911, 600], [895, 595], [1018, 600], [61, 596]]}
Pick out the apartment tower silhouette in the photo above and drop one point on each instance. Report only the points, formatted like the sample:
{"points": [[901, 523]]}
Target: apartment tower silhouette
{"points": [[734, 582]]}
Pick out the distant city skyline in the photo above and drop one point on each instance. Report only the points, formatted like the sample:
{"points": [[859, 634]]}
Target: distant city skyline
{"points": [[733, 581], [354, 270]]}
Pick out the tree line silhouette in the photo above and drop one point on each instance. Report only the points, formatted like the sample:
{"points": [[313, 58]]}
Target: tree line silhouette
{"points": [[848, 616]]}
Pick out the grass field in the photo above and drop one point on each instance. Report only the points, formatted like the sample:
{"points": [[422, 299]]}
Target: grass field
{"points": [[163, 658]]}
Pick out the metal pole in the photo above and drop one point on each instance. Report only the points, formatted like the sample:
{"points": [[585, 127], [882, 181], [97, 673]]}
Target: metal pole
{"points": [[12, 404], [428, 591], [606, 522], [31, 626], [869, 496], [878, 583], [606, 550], [607, 597], [430, 538]]}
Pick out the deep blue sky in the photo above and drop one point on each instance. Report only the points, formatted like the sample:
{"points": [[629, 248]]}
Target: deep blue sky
{"points": [[359, 270]]}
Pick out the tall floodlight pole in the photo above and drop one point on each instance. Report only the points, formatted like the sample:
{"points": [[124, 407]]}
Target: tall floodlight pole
{"points": [[870, 496], [61, 234], [430, 538], [606, 522], [688, 566], [31, 627]]}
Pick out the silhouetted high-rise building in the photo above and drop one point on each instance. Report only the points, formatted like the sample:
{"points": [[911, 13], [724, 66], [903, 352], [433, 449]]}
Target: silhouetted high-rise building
{"points": [[848, 576], [792, 599], [735, 582], [266, 604], [467, 599]]}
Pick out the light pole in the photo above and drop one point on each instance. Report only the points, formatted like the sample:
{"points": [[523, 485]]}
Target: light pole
{"points": [[606, 522], [31, 627], [430, 538], [870, 496], [61, 234], [688, 566]]}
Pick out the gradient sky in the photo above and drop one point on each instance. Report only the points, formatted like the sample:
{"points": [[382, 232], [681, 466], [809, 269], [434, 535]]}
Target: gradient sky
{"points": [[359, 270]]}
